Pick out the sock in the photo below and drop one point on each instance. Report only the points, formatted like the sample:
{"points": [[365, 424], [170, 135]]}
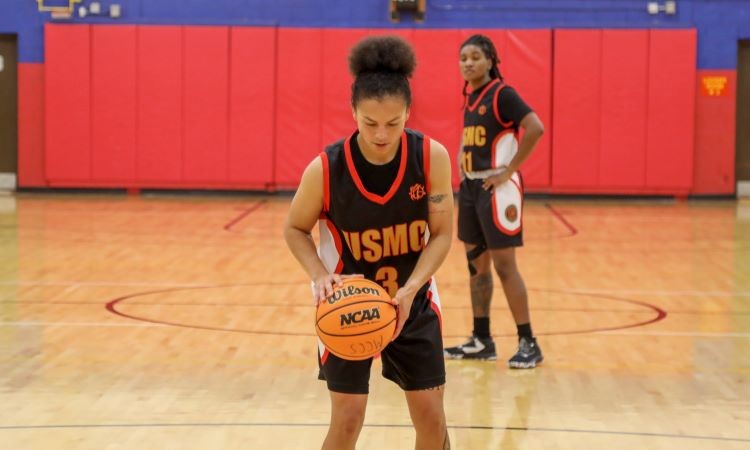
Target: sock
{"points": [[482, 327], [524, 330]]}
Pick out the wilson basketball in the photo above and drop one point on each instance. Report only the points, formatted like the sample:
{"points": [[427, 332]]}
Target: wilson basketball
{"points": [[357, 321]]}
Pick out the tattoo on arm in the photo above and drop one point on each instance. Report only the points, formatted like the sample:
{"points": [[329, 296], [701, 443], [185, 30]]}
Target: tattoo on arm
{"points": [[437, 198]]}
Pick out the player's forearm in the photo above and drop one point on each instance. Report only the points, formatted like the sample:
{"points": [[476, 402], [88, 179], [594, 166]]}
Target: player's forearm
{"points": [[303, 248], [528, 142]]}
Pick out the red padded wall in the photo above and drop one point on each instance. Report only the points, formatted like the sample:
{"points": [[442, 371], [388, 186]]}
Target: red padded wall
{"points": [[171, 106], [671, 117], [529, 69], [436, 89], [160, 105], [623, 111], [68, 103], [31, 125], [206, 97], [622, 141], [577, 108], [715, 135], [251, 105], [298, 97], [113, 103], [336, 111]]}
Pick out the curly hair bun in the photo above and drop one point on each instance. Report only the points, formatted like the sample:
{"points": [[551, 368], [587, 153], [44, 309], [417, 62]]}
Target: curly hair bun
{"points": [[377, 54]]}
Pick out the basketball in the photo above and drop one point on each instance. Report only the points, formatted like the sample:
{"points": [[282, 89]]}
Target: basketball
{"points": [[357, 321]]}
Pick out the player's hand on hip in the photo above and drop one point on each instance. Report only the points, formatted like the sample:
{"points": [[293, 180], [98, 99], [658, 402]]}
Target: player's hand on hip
{"points": [[403, 300], [323, 286], [496, 180]]}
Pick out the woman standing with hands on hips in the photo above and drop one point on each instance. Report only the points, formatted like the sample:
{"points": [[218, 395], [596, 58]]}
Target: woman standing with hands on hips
{"points": [[491, 199], [375, 195]]}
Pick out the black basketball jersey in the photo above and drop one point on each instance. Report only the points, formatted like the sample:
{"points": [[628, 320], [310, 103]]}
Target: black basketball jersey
{"points": [[380, 237], [488, 141]]}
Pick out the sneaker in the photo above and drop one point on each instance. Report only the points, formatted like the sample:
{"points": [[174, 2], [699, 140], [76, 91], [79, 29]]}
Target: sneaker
{"points": [[528, 355], [474, 348]]}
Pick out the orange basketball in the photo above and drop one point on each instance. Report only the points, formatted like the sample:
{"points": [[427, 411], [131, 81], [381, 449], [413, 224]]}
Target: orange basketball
{"points": [[357, 321]]}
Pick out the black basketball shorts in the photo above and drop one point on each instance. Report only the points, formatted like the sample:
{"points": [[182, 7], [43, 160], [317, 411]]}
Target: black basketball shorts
{"points": [[493, 218]]}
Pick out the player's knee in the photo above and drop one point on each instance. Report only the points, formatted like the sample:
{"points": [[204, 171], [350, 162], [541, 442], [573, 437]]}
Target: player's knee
{"points": [[505, 268], [472, 256], [349, 421], [432, 421]]}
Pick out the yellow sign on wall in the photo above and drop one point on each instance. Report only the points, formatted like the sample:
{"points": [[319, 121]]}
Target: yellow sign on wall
{"points": [[58, 8], [713, 86]]}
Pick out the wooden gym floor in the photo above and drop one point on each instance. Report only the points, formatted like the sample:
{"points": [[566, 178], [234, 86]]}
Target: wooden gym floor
{"points": [[181, 322]]}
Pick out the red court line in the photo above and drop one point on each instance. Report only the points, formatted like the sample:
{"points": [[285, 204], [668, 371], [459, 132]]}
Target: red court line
{"points": [[245, 213], [111, 306], [573, 230]]}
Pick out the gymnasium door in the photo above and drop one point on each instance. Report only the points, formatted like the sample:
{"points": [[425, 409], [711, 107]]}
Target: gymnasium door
{"points": [[8, 110], [743, 119]]}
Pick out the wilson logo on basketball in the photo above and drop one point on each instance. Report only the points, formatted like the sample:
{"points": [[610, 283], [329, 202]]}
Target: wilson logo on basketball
{"points": [[350, 291], [360, 316], [416, 192], [511, 213]]}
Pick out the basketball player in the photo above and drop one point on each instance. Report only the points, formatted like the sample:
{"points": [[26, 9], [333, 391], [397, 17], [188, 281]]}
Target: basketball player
{"points": [[491, 198], [377, 195]]}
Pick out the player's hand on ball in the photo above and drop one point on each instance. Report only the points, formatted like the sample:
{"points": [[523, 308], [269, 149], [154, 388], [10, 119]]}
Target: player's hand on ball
{"points": [[323, 286]]}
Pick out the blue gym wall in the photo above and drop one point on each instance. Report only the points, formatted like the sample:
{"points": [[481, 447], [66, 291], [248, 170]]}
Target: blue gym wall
{"points": [[720, 23]]}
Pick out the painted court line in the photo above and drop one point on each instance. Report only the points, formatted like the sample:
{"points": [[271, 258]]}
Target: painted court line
{"points": [[98, 283], [384, 425], [159, 325], [82, 324]]}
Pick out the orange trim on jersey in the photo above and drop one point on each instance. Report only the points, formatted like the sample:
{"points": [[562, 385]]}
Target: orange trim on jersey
{"points": [[495, 218], [337, 242], [493, 148], [380, 200], [426, 164], [326, 182], [496, 108], [481, 94]]}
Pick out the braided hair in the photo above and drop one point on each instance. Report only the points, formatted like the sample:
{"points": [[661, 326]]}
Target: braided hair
{"points": [[381, 66], [488, 48]]}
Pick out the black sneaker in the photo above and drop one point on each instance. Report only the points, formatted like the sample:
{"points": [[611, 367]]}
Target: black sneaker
{"points": [[474, 348], [528, 355]]}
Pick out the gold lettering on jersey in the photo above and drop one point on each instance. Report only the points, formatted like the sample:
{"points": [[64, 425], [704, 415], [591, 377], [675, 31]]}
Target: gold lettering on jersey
{"points": [[395, 240], [374, 244], [373, 250], [416, 235], [353, 241], [475, 136]]}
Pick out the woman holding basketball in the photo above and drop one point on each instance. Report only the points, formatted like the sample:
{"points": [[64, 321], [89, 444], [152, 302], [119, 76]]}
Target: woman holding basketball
{"points": [[491, 198], [375, 195]]}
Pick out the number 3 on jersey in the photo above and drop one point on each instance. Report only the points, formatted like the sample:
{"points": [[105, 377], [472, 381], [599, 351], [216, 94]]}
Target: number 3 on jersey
{"points": [[388, 278]]}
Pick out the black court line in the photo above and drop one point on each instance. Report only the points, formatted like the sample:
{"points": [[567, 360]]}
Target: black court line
{"points": [[228, 226], [397, 425]]}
